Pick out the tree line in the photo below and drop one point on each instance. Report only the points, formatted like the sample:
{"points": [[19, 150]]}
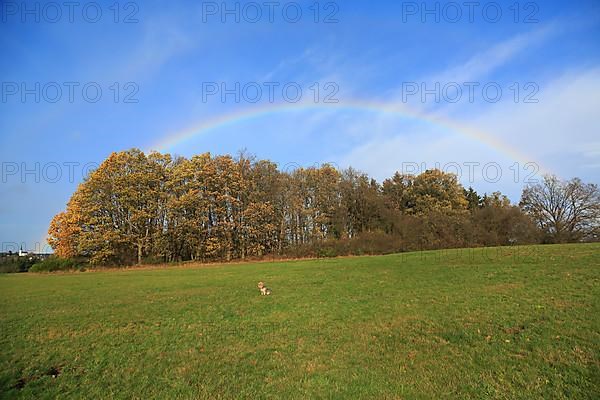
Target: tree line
{"points": [[138, 208]]}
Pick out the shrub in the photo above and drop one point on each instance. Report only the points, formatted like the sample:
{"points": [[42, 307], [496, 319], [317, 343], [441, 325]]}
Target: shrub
{"points": [[153, 260], [9, 268], [15, 264], [327, 252], [54, 264], [370, 243]]}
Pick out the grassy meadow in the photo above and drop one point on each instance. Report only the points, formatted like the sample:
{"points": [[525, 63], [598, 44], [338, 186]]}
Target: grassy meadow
{"points": [[520, 322]]}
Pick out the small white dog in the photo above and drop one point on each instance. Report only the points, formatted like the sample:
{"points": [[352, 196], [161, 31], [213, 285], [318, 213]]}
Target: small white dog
{"points": [[265, 291]]}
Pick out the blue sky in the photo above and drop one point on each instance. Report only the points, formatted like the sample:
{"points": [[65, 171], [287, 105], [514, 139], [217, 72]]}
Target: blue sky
{"points": [[168, 52]]}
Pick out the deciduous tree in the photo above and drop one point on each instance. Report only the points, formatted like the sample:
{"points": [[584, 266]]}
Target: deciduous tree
{"points": [[564, 210]]}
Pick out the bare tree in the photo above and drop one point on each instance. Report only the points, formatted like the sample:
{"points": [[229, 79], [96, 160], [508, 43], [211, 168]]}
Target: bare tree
{"points": [[565, 210]]}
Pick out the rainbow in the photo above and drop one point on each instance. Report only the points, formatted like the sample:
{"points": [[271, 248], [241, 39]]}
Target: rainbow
{"points": [[402, 110]]}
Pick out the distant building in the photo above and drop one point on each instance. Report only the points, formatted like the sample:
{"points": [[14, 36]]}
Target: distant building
{"points": [[23, 253]]}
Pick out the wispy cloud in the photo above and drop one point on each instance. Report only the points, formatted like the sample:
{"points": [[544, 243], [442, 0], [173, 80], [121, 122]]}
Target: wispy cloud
{"points": [[481, 65], [561, 130], [286, 64], [162, 40], [562, 127]]}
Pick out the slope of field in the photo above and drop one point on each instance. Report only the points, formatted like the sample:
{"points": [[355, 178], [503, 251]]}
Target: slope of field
{"points": [[519, 322]]}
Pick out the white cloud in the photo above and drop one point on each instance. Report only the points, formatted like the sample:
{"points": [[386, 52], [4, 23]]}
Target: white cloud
{"points": [[287, 63], [482, 64], [162, 40], [561, 131]]}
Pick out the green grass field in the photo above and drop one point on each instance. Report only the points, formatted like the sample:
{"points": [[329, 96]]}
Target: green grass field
{"points": [[506, 323]]}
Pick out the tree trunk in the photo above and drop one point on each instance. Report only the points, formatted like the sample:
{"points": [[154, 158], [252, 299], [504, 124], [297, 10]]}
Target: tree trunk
{"points": [[140, 246]]}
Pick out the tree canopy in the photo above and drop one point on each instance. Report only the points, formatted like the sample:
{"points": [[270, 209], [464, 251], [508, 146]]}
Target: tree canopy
{"points": [[157, 208]]}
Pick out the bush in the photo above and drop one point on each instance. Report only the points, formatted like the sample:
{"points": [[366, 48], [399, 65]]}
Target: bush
{"points": [[15, 264], [54, 264], [327, 252], [371, 243], [153, 260], [9, 268]]}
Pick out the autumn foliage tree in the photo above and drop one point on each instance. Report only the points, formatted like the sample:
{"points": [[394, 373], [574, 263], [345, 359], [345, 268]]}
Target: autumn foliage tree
{"points": [[156, 208]]}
